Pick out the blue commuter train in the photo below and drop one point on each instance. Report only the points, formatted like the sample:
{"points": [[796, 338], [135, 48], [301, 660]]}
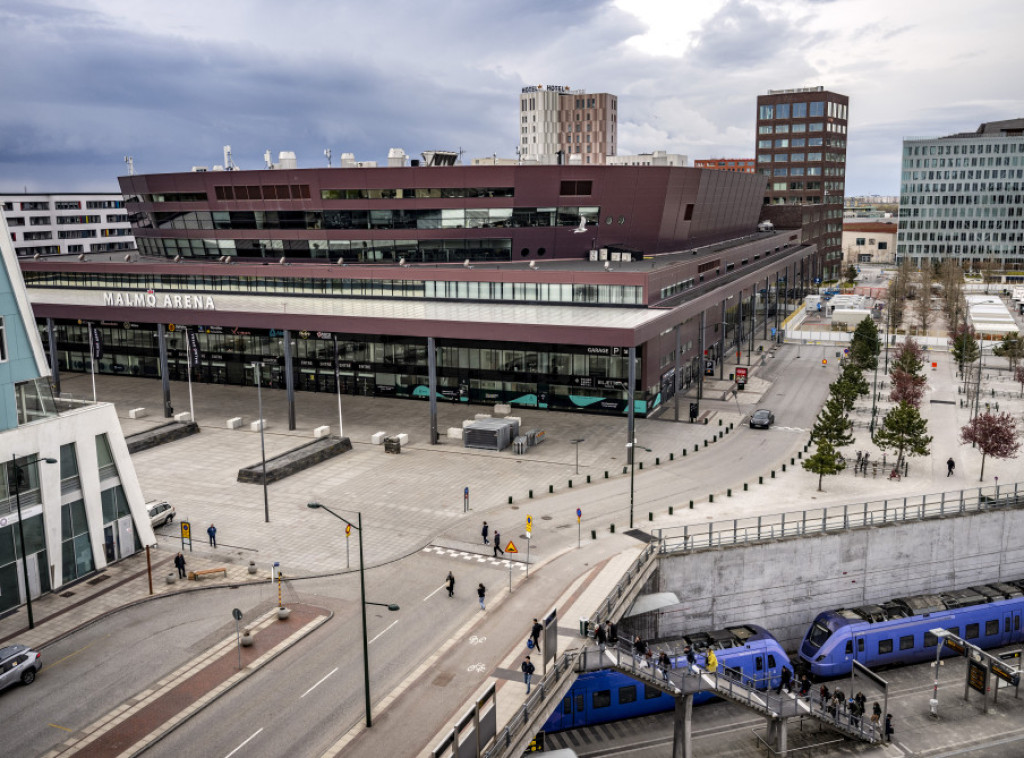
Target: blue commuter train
{"points": [[898, 632], [600, 696]]}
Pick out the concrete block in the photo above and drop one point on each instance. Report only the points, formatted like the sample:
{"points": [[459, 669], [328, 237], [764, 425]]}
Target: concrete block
{"points": [[137, 413], [502, 409], [403, 439], [455, 432], [183, 417], [234, 423], [321, 431], [468, 422], [482, 415], [377, 438], [517, 419], [256, 426]]}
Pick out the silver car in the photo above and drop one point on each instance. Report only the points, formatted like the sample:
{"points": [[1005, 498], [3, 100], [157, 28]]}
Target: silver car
{"points": [[18, 664]]}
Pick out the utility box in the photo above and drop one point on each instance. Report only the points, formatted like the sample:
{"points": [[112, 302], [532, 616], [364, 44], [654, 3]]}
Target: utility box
{"points": [[519, 445], [392, 445]]}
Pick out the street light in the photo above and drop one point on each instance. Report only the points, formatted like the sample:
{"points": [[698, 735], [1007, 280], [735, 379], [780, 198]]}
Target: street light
{"points": [[21, 530], [363, 603], [257, 369], [940, 636], [632, 469], [577, 444]]}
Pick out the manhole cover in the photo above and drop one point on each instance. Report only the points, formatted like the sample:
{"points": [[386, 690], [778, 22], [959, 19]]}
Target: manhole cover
{"points": [[546, 518], [100, 578], [67, 594], [443, 680]]}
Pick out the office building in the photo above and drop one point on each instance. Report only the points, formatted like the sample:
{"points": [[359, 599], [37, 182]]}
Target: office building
{"points": [[84, 509], [962, 197], [67, 223], [801, 149], [742, 165], [560, 125]]}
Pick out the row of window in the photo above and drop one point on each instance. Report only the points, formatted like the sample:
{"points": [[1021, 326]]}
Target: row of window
{"points": [[972, 148], [386, 219], [965, 187], [949, 200], [522, 292], [420, 193], [779, 143], [1001, 173], [790, 158], [46, 220], [963, 162], [907, 642]]}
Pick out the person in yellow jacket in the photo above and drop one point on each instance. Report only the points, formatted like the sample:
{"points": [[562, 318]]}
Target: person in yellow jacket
{"points": [[712, 662]]}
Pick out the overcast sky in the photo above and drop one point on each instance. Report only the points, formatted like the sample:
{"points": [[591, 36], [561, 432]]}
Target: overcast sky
{"points": [[87, 82]]}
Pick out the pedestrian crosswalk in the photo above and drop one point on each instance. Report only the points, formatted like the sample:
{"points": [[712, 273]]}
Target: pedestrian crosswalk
{"points": [[462, 555]]}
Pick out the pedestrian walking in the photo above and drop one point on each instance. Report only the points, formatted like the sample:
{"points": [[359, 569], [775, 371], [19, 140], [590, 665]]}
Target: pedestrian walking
{"points": [[535, 631], [784, 680], [664, 663], [480, 592], [450, 580], [212, 534], [889, 728], [712, 662], [805, 685], [601, 636], [950, 465], [856, 468], [484, 532], [691, 660], [497, 543], [528, 669], [179, 563], [613, 632], [639, 648], [864, 463]]}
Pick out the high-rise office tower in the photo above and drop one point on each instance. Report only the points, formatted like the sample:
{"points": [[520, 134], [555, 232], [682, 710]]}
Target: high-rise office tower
{"points": [[562, 125], [801, 148], [960, 196]]}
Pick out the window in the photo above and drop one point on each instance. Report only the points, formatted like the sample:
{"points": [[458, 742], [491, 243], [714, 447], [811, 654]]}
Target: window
{"points": [[992, 627], [782, 110], [602, 699], [576, 188], [849, 647], [907, 642], [860, 644], [567, 705], [627, 694], [954, 630], [765, 112], [797, 157], [771, 661], [860, 240], [884, 646], [799, 110], [3, 341], [973, 631], [817, 109], [651, 692], [883, 245], [759, 663], [930, 640]]}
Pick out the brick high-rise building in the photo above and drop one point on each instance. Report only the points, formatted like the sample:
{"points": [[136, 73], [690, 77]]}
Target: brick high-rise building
{"points": [[801, 148], [561, 125]]}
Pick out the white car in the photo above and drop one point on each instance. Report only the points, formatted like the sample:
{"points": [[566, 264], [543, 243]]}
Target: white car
{"points": [[160, 512], [18, 664]]}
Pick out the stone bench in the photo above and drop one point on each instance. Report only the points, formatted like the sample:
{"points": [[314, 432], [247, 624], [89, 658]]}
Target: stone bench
{"points": [[197, 575], [234, 423], [321, 431], [455, 432], [258, 425], [137, 413], [502, 409]]}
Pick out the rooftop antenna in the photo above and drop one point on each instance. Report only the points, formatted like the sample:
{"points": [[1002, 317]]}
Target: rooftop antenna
{"points": [[229, 165], [327, 153], [131, 165], [461, 153], [266, 159]]}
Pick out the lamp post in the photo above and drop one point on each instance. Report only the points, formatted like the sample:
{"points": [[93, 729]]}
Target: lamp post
{"points": [[940, 635], [21, 530], [632, 469], [362, 604], [257, 369], [577, 444]]}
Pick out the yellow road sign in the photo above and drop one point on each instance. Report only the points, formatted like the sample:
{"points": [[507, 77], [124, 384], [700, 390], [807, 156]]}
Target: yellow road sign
{"points": [[186, 530], [511, 547]]}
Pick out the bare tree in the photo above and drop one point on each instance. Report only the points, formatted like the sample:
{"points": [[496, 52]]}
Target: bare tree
{"points": [[899, 290], [1018, 375], [994, 434], [952, 278], [924, 298]]}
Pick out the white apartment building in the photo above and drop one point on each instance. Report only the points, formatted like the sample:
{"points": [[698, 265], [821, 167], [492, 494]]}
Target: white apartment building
{"points": [[67, 223]]}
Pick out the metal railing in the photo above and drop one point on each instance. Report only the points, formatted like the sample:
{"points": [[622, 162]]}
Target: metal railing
{"points": [[604, 610], [838, 518]]}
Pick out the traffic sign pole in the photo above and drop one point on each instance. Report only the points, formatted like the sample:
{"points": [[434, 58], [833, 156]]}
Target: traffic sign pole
{"points": [[579, 528], [348, 533]]}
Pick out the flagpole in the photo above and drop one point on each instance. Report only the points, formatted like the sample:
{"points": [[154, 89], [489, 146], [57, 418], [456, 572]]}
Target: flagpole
{"points": [[337, 386], [92, 358], [188, 363]]}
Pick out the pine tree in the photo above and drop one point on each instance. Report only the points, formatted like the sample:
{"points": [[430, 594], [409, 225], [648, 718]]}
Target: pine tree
{"points": [[832, 425], [994, 434], [865, 345], [826, 461], [903, 430], [1011, 348], [965, 346]]}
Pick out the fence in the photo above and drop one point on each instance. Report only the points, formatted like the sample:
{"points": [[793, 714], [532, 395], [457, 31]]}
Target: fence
{"points": [[838, 518]]}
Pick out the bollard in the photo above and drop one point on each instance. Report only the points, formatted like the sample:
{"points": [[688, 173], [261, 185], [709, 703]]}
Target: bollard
{"points": [[792, 462], [691, 505], [605, 474], [510, 500], [613, 528], [721, 434], [551, 488], [727, 430], [719, 422], [705, 422], [650, 516], [684, 452], [705, 443], [711, 498], [783, 466], [670, 511], [570, 484], [657, 461], [531, 494], [625, 469], [588, 478], [799, 455], [641, 466], [728, 492], [760, 480], [696, 448], [593, 534], [745, 487], [773, 473], [672, 456]]}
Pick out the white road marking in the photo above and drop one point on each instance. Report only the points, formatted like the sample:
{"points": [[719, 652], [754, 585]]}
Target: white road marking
{"points": [[433, 593], [316, 685], [379, 635], [477, 667], [244, 743]]}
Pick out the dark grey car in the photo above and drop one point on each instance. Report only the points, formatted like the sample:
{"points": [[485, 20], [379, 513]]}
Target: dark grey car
{"points": [[762, 418], [18, 664]]}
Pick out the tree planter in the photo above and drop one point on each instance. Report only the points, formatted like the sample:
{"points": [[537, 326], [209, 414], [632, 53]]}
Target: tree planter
{"points": [[252, 567], [283, 613], [247, 638], [172, 578]]}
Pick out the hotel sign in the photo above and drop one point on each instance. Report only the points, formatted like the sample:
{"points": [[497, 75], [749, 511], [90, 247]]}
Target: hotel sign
{"points": [[153, 300]]}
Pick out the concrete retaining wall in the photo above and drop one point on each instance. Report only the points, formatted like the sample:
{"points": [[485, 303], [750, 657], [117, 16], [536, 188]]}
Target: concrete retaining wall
{"points": [[781, 585]]}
